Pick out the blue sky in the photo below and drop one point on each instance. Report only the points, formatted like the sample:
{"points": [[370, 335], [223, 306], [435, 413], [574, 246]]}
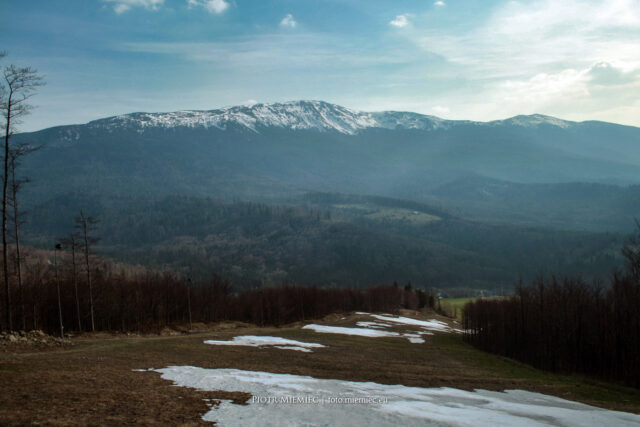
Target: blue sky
{"points": [[480, 60]]}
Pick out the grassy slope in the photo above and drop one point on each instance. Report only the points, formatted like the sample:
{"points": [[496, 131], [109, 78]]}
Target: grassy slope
{"points": [[453, 306], [93, 382]]}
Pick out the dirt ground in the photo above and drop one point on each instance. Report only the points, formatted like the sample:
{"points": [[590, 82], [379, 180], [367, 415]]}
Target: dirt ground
{"points": [[93, 381]]}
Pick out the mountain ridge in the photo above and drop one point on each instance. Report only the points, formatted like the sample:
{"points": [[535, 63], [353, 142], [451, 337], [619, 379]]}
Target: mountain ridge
{"points": [[265, 152], [311, 115]]}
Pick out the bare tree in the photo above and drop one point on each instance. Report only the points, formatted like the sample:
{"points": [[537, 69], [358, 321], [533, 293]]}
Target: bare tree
{"points": [[2, 102], [73, 243], [15, 184], [58, 247], [17, 87], [86, 226]]}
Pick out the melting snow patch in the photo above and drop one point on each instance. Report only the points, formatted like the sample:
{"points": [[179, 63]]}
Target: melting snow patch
{"points": [[367, 331], [433, 324], [414, 338], [373, 325], [278, 342], [363, 332], [292, 400]]}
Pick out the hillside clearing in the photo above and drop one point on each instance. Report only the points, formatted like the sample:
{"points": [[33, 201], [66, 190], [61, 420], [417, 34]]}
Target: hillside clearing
{"points": [[93, 382]]}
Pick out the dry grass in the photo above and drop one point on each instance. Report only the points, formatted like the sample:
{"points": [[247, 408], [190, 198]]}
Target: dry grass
{"points": [[93, 382]]}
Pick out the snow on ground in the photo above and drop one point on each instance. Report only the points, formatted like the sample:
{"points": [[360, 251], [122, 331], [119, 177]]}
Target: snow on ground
{"points": [[372, 329], [432, 325], [368, 331], [373, 325], [293, 400], [362, 332], [414, 338], [278, 342]]}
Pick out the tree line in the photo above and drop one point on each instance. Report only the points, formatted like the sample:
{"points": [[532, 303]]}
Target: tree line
{"points": [[566, 324], [56, 298]]}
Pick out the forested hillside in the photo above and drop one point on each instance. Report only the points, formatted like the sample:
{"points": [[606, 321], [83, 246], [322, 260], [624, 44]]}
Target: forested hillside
{"points": [[324, 239]]}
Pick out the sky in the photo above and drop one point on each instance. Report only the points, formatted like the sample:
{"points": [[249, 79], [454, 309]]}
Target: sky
{"points": [[456, 59]]}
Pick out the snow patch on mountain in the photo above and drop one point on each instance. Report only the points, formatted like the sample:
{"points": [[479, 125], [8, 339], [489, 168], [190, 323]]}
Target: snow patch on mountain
{"points": [[533, 120], [299, 115], [405, 120]]}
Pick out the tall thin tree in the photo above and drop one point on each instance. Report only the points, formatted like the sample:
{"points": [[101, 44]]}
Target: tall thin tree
{"points": [[17, 87], [86, 226], [58, 247], [72, 242], [15, 184]]}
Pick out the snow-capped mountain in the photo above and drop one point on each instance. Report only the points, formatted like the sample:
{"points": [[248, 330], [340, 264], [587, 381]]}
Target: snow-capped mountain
{"points": [[296, 115], [303, 115], [274, 149], [533, 120]]}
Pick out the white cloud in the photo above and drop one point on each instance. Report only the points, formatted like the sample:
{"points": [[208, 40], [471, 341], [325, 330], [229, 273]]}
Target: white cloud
{"points": [[439, 3], [543, 89], [604, 73], [542, 56], [599, 92], [277, 50], [519, 36], [288, 21], [400, 21], [122, 6], [212, 6], [250, 102], [439, 109]]}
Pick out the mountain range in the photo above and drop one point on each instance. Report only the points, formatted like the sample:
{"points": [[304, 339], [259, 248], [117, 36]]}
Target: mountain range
{"points": [[269, 152], [525, 171]]}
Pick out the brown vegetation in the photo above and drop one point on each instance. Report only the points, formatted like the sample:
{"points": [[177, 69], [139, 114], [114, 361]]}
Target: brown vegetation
{"points": [[567, 325], [142, 300]]}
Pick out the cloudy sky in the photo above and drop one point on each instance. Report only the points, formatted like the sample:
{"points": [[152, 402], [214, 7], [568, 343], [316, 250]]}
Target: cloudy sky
{"points": [[460, 59]]}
